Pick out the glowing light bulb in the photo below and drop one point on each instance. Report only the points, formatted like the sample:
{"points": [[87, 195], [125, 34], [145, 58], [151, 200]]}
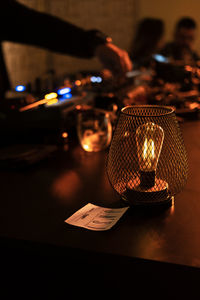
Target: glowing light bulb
{"points": [[149, 140], [148, 152]]}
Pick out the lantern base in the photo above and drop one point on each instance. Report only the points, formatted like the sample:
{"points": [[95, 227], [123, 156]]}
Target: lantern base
{"points": [[155, 196]]}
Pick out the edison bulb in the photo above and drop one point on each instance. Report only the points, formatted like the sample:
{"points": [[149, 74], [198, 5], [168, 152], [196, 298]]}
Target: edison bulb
{"points": [[149, 140]]}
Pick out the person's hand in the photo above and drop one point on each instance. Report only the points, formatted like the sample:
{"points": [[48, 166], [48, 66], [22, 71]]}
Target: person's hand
{"points": [[114, 59]]}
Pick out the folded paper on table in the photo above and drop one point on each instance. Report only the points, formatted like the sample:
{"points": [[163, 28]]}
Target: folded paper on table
{"points": [[95, 217]]}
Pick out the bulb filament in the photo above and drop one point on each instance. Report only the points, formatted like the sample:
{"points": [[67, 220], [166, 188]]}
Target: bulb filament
{"points": [[148, 152]]}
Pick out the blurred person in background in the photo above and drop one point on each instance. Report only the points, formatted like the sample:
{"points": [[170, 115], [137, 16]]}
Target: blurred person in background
{"points": [[148, 40], [181, 48]]}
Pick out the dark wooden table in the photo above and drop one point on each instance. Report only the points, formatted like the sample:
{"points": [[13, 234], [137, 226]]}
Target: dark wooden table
{"points": [[143, 253]]}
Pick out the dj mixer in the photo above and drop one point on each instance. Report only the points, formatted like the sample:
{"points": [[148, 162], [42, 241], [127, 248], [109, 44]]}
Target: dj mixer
{"points": [[49, 115], [47, 112]]}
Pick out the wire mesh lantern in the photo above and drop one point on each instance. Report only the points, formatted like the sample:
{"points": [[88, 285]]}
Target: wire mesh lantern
{"points": [[147, 161]]}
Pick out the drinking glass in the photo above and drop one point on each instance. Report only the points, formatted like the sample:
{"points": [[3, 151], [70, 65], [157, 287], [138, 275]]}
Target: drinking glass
{"points": [[94, 130]]}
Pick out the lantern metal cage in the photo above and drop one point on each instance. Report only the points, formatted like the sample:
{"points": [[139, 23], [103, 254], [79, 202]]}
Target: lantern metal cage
{"points": [[147, 161]]}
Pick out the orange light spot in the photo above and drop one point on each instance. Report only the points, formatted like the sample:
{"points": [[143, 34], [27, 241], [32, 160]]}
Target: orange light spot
{"points": [[78, 82], [86, 147], [109, 39], [64, 135], [188, 68]]}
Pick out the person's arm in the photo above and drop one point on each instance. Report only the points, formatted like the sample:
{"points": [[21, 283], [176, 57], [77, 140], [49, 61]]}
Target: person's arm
{"points": [[24, 25]]}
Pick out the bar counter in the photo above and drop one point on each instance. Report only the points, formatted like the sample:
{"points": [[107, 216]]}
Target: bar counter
{"points": [[144, 253]]}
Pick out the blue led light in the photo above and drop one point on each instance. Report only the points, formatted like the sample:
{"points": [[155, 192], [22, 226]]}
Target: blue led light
{"points": [[20, 88], [93, 79], [64, 91], [68, 96], [160, 58], [65, 96], [98, 79]]}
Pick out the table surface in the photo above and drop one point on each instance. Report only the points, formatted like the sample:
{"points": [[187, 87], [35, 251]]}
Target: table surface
{"points": [[36, 201]]}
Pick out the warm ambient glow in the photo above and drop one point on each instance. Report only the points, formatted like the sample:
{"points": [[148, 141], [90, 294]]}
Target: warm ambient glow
{"points": [[66, 187], [149, 139]]}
